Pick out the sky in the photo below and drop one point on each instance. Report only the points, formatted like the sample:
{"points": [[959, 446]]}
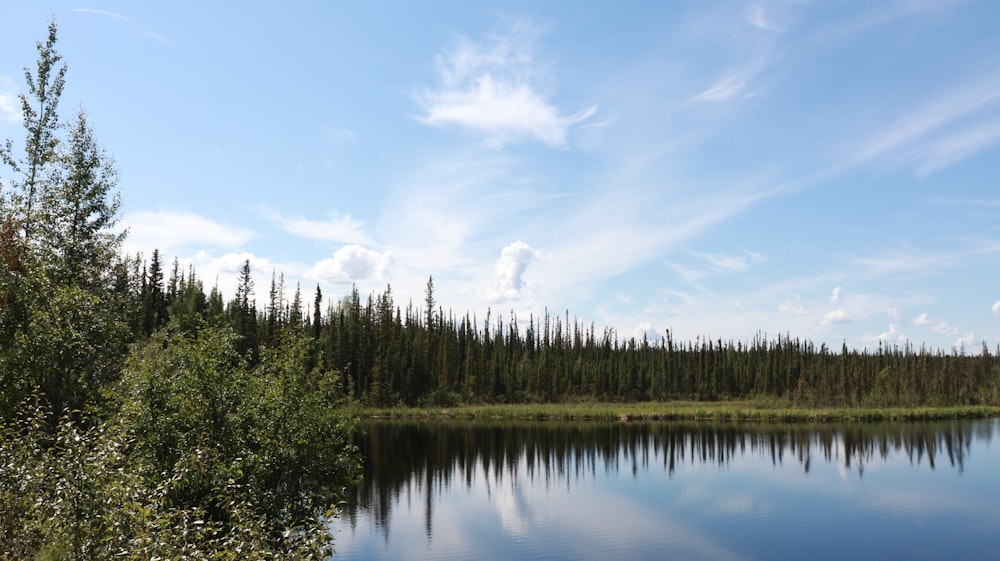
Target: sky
{"points": [[828, 170]]}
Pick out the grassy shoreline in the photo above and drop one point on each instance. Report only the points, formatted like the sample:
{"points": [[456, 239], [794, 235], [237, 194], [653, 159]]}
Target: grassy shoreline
{"points": [[671, 411]]}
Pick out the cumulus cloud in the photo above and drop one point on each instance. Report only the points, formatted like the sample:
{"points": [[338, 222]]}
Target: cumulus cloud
{"points": [[511, 267], [646, 330], [965, 342], [945, 328], [353, 263], [491, 89], [836, 316], [893, 335], [937, 326]]}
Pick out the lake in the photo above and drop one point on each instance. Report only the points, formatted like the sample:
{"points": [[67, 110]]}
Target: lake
{"points": [[675, 490]]}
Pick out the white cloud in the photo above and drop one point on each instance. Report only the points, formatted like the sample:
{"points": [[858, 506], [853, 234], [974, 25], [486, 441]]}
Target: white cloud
{"points": [[954, 148], [944, 328], [646, 329], [965, 343], [491, 90], [105, 13], [793, 307], [223, 271], [836, 316], [734, 84], [911, 139], [170, 231], [511, 267], [341, 135], [10, 110], [342, 229], [893, 335], [352, 263], [937, 326], [733, 263], [996, 308], [835, 296], [755, 16]]}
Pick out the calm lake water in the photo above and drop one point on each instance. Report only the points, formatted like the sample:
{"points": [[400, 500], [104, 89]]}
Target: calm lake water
{"points": [[558, 490]]}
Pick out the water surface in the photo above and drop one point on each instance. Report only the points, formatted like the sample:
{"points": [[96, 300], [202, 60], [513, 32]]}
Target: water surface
{"points": [[558, 490]]}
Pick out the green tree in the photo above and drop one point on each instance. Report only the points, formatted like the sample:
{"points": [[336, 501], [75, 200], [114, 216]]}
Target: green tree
{"points": [[69, 334], [81, 212], [40, 119]]}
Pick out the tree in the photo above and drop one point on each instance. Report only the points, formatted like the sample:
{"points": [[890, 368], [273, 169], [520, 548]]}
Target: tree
{"points": [[41, 123], [69, 335], [81, 211], [317, 319], [429, 304]]}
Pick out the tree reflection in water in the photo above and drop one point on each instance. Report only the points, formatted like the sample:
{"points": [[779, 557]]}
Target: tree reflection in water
{"points": [[407, 458]]}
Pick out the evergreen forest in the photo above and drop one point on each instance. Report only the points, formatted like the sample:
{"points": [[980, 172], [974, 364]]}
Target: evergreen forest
{"points": [[144, 416]]}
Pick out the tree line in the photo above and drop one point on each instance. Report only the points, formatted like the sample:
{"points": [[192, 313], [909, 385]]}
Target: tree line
{"points": [[383, 354]]}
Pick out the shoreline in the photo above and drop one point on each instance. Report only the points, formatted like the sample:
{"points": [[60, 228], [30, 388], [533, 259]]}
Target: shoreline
{"points": [[675, 411]]}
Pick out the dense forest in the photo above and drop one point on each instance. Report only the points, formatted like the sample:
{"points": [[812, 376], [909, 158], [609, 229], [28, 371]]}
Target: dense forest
{"points": [[143, 416], [383, 354]]}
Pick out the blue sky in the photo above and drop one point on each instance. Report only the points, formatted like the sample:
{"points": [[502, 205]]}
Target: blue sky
{"points": [[823, 169]]}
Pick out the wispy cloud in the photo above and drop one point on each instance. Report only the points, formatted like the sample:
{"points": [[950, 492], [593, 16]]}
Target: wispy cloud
{"points": [[730, 263], [757, 17], [115, 15], [917, 136], [342, 229], [735, 84], [491, 89], [909, 260], [10, 110], [105, 13], [951, 149], [905, 260], [793, 307], [171, 232]]}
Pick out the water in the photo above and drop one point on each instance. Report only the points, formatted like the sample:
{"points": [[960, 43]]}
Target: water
{"points": [[556, 490]]}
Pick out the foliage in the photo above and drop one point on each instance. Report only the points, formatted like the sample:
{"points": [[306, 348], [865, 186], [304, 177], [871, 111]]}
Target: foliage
{"points": [[273, 430], [193, 447], [64, 334], [76, 494]]}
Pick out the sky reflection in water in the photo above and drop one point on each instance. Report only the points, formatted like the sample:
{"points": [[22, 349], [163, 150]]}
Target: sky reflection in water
{"points": [[553, 491]]}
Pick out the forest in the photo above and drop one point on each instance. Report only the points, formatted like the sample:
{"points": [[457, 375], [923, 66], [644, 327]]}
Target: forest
{"points": [[142, 416]]}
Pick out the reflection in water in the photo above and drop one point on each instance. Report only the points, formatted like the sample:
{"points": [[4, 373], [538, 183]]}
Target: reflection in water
{"points": [[407, 460]]}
